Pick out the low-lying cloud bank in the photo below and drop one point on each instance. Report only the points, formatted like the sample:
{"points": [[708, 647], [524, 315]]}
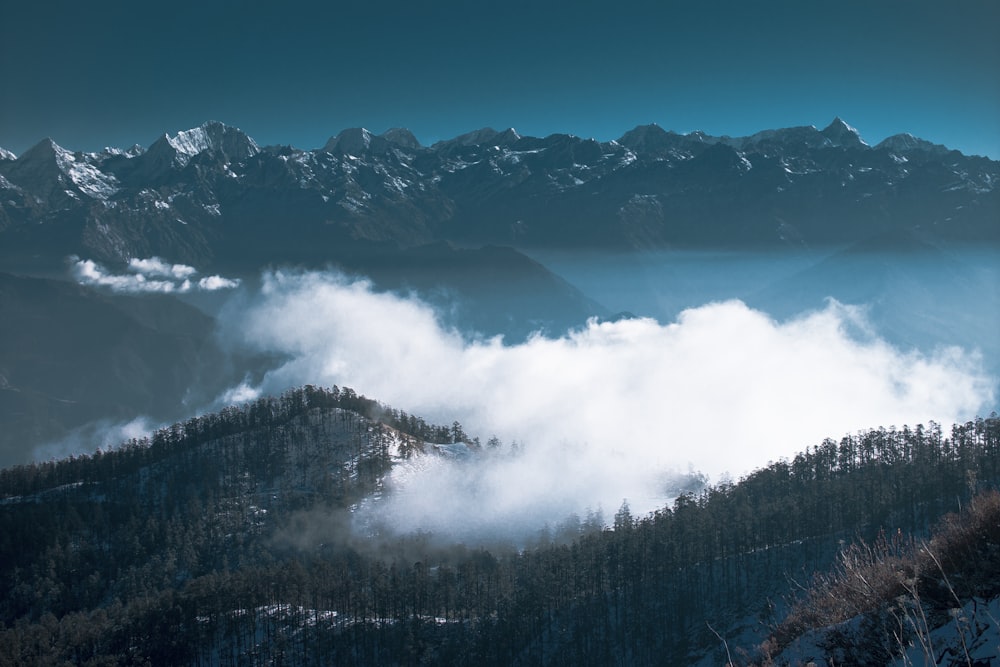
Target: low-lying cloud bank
{"points": [[148, 275], [604, 412]]}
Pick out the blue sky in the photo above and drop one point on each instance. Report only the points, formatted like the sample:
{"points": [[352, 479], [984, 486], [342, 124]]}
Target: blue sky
{"points": [[91, 74]]}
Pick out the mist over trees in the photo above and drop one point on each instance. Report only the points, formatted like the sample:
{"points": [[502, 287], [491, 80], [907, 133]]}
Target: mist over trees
{"points": [[232, 538]]}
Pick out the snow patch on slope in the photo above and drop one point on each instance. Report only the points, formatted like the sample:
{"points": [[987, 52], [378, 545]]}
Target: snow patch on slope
{"points": [[88, 178]]}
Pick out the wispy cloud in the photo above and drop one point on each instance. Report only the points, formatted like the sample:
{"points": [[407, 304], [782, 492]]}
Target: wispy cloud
{"points": [[148, 275], [213, 283], [154, 266], [100, 434], [604, 412]]}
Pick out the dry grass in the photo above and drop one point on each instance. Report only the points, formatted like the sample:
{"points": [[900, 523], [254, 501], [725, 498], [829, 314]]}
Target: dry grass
{"points": [[915, 583]]}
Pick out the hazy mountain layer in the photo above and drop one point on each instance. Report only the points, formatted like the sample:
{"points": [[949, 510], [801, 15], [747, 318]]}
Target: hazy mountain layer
{"points": [[71, 354]]}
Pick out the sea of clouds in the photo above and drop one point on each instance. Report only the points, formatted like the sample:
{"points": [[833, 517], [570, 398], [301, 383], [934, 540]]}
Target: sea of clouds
{"points": [[603, 414]]}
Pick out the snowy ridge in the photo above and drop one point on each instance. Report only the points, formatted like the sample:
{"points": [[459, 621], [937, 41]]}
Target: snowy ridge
{"points": [[211, 136], [190, 142], [111, 151], [86, 176]]}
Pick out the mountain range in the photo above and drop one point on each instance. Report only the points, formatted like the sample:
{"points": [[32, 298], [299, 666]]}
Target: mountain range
{"points": [[212, 197]]}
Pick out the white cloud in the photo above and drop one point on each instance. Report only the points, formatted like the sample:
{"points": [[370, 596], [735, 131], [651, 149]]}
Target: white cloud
{"points": [[147, 275], [604, 411], [101, 434], [241, 393], [213, 283], [154, 266], [88, 272]]}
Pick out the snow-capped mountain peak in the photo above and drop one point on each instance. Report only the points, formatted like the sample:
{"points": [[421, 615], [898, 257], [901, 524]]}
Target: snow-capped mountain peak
{"points": [[44, 150], [6, 154], [212, 136], [49, 163], [842, 134], [190, 142]]}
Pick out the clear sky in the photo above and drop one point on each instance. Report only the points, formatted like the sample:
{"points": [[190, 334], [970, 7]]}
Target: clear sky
{"points": [[95, 73]]}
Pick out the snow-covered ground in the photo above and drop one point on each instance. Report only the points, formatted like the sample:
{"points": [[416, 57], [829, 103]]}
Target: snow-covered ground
{"points": [[972, 636], [969, 636]]}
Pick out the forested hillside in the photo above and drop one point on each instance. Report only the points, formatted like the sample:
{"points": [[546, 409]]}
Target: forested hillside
{"points": [[232, 539]]}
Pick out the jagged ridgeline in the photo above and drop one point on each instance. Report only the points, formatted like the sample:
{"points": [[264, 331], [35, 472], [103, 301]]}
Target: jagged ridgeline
{"points": [[230, 539], [211, 197]]}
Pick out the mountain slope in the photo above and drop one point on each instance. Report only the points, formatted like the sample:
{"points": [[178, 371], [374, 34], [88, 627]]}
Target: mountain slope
{"points": [[70, 355]]}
